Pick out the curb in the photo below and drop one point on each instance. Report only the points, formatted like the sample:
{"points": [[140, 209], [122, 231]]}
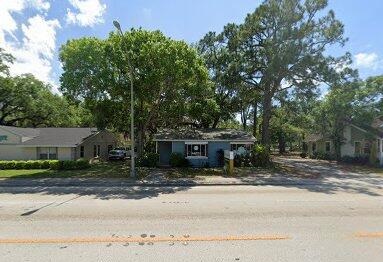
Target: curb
{"points": [[144, 184]]}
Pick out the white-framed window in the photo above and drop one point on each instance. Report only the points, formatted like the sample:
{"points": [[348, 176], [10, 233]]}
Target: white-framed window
{"points": [[96, 150], [196, 149], [241, 148], [328, 146], [46, 153]]}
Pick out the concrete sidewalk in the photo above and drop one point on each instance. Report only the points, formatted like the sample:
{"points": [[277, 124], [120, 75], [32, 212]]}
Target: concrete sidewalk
{"points": [[157, 181], [303, 173]]}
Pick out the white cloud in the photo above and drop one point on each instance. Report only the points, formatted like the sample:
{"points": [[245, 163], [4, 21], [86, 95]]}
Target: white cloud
{"points": [[33, 51], [87, 12], [42, 5], [8, 25], [368, 60]]}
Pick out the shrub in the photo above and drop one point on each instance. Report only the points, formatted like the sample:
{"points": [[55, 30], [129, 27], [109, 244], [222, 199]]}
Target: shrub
{"points": [[82, 163], [244, 160], [359, 160], [55, 164], [148, 160], [8, 165], [19, 164], [32, 164], [303, 155], [45, 164], [178, 160], [69, 165], [260, 156]]}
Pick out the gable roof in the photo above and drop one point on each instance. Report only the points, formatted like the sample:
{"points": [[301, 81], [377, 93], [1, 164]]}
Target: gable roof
{"points": [[375, 128], [23, 132], [51, 136], [377, 124], [203, 134], [60, 136]]}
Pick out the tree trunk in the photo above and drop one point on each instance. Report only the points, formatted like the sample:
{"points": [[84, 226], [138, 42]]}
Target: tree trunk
{"points": [[216, 121], [266, 117], [281, 144], [255, 119], [244, 120]]}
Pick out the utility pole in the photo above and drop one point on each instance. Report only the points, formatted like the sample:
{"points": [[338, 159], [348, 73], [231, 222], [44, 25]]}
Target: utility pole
{"points": [[130, 70]]}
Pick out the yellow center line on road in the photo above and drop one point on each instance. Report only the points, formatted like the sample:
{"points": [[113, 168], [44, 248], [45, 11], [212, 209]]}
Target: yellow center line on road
{"points": [[369, 234], [122, 239]]}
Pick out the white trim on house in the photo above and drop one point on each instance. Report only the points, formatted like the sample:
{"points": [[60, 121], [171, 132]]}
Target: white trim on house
{"points": [[210, 140], [242, 143], [196, 143], [196, 157]]}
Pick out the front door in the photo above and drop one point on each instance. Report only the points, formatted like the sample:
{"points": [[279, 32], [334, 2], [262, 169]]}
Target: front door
{"points": [[165, 150]]}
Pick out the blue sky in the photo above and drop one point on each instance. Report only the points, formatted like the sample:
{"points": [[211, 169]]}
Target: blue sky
{"points": [[34, 30]]}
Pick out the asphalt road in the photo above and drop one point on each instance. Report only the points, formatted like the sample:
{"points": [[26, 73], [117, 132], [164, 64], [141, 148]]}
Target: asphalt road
{"points": [[205, 223]]}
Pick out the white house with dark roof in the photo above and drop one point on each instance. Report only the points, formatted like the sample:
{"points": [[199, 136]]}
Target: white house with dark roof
{"points": [[54, 143], [357, 141]]}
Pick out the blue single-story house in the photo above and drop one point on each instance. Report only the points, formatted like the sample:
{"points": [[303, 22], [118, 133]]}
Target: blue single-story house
{"points": [[202, 147]]}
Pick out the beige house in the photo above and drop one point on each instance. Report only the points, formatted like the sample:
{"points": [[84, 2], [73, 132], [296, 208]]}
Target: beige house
{"points": [[358, 141], [54, 143]]}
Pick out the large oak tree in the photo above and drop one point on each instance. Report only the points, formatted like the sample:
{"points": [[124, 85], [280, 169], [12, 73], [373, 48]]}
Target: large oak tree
{"points": [[171, 85]]}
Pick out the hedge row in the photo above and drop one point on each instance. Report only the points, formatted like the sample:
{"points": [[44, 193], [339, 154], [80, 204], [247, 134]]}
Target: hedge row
{"points": [[46, 164]]}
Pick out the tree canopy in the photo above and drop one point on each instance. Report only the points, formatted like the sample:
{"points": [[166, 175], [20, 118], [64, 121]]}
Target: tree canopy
{"points": [[171, 84], [28, 102]]}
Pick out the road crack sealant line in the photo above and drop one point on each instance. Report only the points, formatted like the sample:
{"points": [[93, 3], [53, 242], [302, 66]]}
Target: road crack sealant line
{"points": [[122, 239]]}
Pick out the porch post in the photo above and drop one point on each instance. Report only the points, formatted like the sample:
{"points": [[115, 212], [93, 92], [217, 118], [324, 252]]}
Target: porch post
{"points": [[381, 152]]}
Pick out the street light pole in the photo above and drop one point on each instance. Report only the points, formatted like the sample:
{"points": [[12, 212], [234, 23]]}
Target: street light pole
{"points": [[130, 69]]}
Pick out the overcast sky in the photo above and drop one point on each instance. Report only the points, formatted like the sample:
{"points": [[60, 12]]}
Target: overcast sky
{"points": [[34, 30]]}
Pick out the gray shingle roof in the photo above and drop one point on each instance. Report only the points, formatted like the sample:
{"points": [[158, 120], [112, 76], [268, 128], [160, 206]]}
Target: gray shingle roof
{"points": [[51, 136], [203, 134], [24, 132], [60, 136]]}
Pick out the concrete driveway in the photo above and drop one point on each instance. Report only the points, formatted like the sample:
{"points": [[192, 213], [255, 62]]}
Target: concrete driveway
{"points": [[329, 176]]}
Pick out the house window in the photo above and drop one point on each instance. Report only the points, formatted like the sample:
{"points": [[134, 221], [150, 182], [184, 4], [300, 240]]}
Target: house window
{"points": [[96, 150], [82, 151], [314, 147], [367, 148], [47, 153], [328, 146], [357, 148], [240, 148], [196, 150]]}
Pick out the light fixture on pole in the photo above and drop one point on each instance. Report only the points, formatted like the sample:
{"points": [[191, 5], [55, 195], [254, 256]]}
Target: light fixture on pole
{"points": [[130, 70]]}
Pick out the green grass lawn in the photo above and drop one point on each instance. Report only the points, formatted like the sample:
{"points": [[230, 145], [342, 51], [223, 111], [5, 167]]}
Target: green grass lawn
{"points": [[117, 169], [122, 170]]}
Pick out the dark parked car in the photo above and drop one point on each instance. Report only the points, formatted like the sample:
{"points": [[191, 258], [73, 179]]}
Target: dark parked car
{"points": [[117, 155]]}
